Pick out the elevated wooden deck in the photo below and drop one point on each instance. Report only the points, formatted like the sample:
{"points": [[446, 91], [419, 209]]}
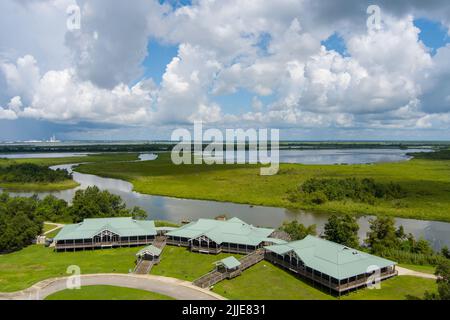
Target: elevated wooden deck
{"points": [[215, 276]]}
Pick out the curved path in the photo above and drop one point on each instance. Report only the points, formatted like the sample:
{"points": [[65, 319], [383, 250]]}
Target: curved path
{"points": [[407, 272], [178, 289]]}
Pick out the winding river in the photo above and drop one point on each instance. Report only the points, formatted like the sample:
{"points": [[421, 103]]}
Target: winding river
{"points": [[173, 209]]}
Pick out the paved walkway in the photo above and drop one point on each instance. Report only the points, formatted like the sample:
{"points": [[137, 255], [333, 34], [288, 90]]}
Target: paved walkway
{"points": [[177, 289], [57, 226], [408, 272]]}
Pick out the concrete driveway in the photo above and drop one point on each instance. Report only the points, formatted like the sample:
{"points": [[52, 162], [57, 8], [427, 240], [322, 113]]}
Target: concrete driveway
{"points": [[177, 289]]}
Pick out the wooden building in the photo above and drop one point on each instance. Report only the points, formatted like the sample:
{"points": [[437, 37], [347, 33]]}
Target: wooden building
{"points": [[105, 233], [330, 265], [215, 236]]}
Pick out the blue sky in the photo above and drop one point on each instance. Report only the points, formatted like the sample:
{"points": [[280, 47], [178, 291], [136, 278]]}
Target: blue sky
{"points": [[228, 64]]}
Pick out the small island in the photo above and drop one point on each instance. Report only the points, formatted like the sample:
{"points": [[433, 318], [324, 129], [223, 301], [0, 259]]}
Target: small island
{"points": [[29, 176]]}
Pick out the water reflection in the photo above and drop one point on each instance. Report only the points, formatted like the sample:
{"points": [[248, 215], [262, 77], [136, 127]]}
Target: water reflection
{"points": [[331, 156]]}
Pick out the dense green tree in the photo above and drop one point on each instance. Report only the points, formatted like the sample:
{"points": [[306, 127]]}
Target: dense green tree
{"points": [[21, 219], [342, 229], [422, 246], [53, 209], [443, 282], [297, 231], [382, 234], [366, 190], [18, 223], [138, 213], [32, 173], [94, 203], [445, 252], [443, 279], [400, 233]]}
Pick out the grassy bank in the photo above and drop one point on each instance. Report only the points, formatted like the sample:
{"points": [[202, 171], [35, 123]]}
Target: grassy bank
{"points": [[101, 157], [39, 187], [106, 293], [426, 183], [63, 185]]}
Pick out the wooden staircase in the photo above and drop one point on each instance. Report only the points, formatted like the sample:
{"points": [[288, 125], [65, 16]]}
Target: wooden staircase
{"points": [[213, 277], [143, 267]]}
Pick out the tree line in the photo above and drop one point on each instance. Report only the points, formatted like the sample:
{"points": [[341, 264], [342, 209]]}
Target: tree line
{"points": [[22, 218]]}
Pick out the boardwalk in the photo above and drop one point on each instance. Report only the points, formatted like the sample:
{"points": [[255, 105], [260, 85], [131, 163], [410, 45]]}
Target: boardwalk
{"points": [[216, 276], [145, 266]]}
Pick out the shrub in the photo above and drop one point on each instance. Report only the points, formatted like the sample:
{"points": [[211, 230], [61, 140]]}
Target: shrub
{"points": [[407, 257], [319, 191]]}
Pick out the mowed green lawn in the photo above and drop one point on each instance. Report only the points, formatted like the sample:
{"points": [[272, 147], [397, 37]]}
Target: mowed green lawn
{"points": [[106, 293], [265, 281], [22, 269], [179, 262], [427, 183], [397, 288], [53, 234]]}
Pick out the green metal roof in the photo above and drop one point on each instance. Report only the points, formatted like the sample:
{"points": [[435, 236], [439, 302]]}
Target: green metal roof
{"points": [[230, 231], [230, 262], [275, 240], [152, 250], [124, 227], [331, 258]]}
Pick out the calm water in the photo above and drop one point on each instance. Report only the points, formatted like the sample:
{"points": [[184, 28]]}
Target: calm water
{"points": [[331, 156], [166, 208], [349, 156]]}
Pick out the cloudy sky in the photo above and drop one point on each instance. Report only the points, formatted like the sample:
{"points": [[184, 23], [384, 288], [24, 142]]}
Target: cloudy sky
{"points": [[138, 69]]}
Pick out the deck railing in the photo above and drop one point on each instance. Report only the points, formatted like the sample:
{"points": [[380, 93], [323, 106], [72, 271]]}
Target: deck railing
{"points": [[102, 244], [206, 249]]}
